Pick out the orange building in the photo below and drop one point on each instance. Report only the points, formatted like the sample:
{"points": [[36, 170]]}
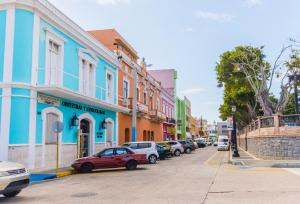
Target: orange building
{"points": [[149, 108]]}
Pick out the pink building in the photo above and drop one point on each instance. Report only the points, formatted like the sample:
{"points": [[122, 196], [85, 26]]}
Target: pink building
{"points": [[168, 77]]}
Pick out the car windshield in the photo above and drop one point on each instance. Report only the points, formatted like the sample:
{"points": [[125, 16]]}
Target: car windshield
{"points": [[223, 140]]}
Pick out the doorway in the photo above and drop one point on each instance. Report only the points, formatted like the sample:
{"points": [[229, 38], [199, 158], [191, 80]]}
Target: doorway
{"points": [[84, 141], [109, 132], [127, 135]]}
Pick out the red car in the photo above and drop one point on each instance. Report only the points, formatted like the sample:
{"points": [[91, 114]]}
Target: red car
{"points": [[110, 158]]}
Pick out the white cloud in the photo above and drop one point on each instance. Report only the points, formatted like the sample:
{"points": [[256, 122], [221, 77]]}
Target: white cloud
{"points": [[220, 17], [189, 29], [191, 91], [111, 2], [253, 3]]}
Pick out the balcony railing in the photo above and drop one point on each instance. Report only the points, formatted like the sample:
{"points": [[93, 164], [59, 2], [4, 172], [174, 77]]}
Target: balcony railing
{"points": [[273, 125], [289, 120], [157, 115], [171, 120]]}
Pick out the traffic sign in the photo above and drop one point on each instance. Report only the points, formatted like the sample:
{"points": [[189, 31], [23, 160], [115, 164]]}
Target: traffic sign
{"points": [[57, 127]]}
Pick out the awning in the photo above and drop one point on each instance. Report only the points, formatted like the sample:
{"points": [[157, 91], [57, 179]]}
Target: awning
{"points": [[71, 95]]}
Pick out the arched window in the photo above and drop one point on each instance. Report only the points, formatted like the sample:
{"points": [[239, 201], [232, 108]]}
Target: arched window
{"points": [[50, 136], [144, 135]]}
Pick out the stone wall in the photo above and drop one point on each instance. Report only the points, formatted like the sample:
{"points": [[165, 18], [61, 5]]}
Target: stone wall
{"points": [[273, 148]]}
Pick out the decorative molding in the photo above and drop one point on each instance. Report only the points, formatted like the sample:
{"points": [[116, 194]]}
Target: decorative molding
{"points": [[54, 16]]}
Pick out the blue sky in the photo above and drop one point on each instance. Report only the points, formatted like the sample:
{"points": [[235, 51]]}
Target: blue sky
{"points": [[190, 35]]}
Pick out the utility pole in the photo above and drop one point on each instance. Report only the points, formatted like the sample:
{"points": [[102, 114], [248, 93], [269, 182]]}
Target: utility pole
{"points": [[134, 108]]}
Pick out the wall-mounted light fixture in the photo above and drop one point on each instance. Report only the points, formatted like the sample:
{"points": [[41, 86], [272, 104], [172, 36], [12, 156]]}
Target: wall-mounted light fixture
{"points": [[74, 121], [103, 124]]}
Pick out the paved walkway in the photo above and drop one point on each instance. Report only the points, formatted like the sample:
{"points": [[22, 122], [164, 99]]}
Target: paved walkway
{"points": [[201, 177]]}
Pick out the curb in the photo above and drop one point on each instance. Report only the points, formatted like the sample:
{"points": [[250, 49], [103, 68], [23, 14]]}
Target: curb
{"points": [[64, 173]]}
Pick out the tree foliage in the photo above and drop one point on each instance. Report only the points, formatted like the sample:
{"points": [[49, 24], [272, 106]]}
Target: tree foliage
{"points": [[247, 77], [237, 90]]}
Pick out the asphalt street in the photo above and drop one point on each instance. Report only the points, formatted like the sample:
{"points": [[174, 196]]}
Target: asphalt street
{"points": [[201, 177]]}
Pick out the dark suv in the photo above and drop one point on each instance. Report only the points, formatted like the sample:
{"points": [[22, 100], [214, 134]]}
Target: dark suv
{"points": [[187, 145]]}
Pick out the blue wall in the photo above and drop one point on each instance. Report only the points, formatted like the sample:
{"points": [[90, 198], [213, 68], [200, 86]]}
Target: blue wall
{"points": [[2, 41], [22, 62], [19, 119], [71, 66], [70, 133]]}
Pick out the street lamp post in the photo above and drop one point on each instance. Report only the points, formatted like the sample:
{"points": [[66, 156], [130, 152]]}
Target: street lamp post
{"points": [[233, 134]]}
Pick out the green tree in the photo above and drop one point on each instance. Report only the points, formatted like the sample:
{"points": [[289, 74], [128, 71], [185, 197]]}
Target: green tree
{"points": [[237, 90]]}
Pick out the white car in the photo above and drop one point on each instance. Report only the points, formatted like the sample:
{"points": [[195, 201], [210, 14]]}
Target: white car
{"points": [[223, 142], [177, 147], [13, 178], [146, 147]]}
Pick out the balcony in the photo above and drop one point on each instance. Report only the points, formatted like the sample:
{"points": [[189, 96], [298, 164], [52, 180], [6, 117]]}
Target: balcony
{"points": [[157, 116], [65, 93], [171, 120], [142, 108]]}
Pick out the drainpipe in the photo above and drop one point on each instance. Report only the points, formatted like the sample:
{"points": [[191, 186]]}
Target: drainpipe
{"points": [[134, 105]]}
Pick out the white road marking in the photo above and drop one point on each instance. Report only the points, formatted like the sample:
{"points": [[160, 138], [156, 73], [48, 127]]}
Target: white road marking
{"points": [[295, 171]]}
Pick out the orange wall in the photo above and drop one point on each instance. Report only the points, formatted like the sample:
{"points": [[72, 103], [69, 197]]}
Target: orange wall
{"points": [[125, 121]]}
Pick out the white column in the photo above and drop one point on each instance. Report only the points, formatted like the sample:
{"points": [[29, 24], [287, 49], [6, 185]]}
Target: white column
{"points": [[33, 97], [7, 78]]}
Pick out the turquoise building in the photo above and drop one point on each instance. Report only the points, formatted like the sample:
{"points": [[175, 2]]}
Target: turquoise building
{"points": [[52, 70]]}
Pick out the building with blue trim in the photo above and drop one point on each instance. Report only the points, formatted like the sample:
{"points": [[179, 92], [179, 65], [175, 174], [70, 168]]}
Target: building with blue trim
{"points": [[52, 70]]}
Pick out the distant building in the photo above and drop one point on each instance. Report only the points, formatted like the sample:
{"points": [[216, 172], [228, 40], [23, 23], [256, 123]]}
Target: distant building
{"points": [[222, 128]]}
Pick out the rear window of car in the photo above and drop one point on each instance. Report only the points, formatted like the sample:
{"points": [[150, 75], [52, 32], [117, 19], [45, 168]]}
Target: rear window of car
{"points": [[182, 142], [172, 143], [143, 145]]}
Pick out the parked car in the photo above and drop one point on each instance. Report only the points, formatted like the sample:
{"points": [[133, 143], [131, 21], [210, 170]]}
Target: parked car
{"points": [[147, 147], [209, 142], [177, 147], [110, 158], [223, 142], [201, 143], [215, 143], [163, 152], [187, 145], [13, 178], [192, 142], [166, 145]]}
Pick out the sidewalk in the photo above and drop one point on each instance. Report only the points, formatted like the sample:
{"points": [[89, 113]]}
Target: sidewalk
{"points": [[246, 159]]}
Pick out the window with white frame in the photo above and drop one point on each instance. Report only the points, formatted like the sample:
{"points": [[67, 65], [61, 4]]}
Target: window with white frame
{"points": [[87, 77], [125, 89], [109, 86], [151, 102], [54, 58], [145, 98], [50, 137], [138, 94], [157, 104]]}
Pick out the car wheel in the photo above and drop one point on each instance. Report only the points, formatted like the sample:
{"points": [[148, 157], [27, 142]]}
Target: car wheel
{"points": [[188, 150], [177, 153], [12, 194], [131, 165], [86, 168], [152, 159]]}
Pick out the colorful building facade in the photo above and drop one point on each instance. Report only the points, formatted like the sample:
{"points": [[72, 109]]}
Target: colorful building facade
{"points": [[168, 78], [128, 59], [53, 74], [149, 100], [181, 119]]}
